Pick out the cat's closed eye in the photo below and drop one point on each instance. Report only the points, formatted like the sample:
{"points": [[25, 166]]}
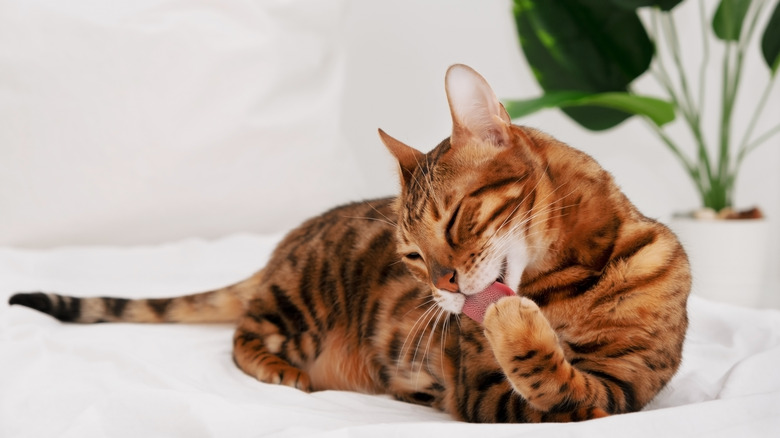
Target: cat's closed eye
{"points": [[413, 256]]}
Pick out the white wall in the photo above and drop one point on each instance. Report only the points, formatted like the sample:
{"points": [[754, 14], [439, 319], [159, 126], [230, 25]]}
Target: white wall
{"points": [[140, 121]]}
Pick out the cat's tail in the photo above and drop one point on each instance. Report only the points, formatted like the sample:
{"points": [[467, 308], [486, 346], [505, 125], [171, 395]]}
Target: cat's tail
{"points": [[220, 305]]}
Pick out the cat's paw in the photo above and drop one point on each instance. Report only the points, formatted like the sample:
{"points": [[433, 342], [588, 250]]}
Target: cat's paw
{"points": [[285, 375], [511, 313], [515, 326]]}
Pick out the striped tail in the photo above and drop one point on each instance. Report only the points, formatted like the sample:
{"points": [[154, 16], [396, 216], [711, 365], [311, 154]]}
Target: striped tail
{"points": [[221, 305]]}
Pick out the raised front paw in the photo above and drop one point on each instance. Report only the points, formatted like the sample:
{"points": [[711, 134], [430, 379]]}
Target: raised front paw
{"points": [[515, 326], [512, 315]]}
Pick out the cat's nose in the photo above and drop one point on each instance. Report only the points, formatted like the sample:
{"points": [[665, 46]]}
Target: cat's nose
{"points": [[445, 278]]}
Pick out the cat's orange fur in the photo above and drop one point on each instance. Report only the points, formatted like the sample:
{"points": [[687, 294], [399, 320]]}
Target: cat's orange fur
{"points": [[367, 297]]}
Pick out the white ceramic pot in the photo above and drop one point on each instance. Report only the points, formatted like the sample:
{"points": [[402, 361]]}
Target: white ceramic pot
{"points": [[728, 257]]}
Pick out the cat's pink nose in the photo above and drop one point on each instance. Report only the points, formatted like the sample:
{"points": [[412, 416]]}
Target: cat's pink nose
{"points": [[445, 279]]}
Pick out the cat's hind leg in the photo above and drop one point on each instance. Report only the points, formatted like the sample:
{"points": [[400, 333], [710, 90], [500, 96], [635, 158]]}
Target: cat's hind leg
{"points": [[256, 347]]}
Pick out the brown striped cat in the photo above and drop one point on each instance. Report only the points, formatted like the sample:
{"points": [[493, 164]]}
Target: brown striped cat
{"points": [[368, 297]]}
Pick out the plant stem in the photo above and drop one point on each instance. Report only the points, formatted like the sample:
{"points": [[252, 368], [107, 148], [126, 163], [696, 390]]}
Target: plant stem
{"points": [[746, 36], [732, 73], [662, 74], [725, 123], [764, 137], [705, 56], [671, 29], [688, 108], [693, 172], [713, 179], [744, 149], [749, 148]]}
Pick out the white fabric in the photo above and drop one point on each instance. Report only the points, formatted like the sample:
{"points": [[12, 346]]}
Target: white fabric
{"points": [[132, 121], [125, 380]]}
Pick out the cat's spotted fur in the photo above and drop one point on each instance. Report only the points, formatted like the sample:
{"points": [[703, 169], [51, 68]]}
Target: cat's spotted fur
{"points": [[366, 297]]}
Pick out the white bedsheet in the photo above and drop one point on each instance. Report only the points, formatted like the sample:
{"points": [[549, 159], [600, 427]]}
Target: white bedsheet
{"points": [[179, 380]]}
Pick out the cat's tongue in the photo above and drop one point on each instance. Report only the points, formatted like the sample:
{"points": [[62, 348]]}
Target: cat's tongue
{"points": [[476, 305]]}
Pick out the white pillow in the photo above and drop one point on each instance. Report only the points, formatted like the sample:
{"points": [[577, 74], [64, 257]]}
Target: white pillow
{"points": [[130, 121]]}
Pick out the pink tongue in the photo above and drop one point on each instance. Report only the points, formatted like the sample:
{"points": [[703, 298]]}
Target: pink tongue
{"points": [[476, 304]]}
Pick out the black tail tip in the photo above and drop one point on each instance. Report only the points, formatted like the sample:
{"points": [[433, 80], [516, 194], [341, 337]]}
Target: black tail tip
{"points": [[34, 300]]}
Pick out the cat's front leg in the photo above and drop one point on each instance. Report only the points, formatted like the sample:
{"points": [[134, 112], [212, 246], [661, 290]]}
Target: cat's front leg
{"points": [[528, 351]]}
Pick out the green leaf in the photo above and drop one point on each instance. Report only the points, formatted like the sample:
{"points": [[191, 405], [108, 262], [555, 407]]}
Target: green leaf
{"points": [[551, 99], [664, 5], [770, 42], [728, 19], [583, 45], [659, 111]]}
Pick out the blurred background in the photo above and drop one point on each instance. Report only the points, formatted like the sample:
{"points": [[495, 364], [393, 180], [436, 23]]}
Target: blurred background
{"points": [[143, 122]]}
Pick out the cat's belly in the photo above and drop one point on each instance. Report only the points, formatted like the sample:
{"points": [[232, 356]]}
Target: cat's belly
{"points": [[342, 366]]}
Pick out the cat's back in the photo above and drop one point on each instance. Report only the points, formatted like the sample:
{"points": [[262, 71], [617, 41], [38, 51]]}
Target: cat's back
{"points": [[335, 266], [356, 231]]}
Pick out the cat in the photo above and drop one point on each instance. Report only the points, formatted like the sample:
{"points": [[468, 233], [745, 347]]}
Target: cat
{"points": [[369, 296]]}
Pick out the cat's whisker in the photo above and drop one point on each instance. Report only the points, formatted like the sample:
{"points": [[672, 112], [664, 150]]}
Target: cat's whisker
{"points": [[396, 262], [533, 232], [498, 246], [415, 178], [426, 302], [544, 210], [518, 227], [430, 309], [403, 350], [429, 176], [425, 352], [525, 198], [426, 358], [382, 214], [394, 225], [439, 314], [443, 343], [413, 333], [550, 193], [525, 218], [420, 338], [426, 177]]}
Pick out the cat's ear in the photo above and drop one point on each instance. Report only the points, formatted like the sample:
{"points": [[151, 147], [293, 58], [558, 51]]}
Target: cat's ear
{"points": [[408, 157], [477, 113]]}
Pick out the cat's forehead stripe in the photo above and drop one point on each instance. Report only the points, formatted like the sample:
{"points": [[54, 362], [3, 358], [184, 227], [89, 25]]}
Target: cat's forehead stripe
{"points": [[500, 184]]}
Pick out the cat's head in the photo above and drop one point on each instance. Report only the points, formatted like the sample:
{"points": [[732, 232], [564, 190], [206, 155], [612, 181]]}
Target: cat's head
{"points": [[465, 217]]}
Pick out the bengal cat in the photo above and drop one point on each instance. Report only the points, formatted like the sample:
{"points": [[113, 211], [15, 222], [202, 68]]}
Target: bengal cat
{"points": [[368, 297]]}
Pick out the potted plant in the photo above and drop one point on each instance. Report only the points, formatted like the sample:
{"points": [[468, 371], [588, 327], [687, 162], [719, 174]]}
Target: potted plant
{"points": [[586, 54]]}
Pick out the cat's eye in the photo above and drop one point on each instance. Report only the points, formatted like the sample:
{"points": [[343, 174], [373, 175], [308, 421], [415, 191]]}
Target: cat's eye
{"points": [[413, 256]]}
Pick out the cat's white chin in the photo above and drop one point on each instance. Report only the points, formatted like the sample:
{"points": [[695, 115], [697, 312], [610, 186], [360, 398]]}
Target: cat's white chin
{"points": [[449, 301]]}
